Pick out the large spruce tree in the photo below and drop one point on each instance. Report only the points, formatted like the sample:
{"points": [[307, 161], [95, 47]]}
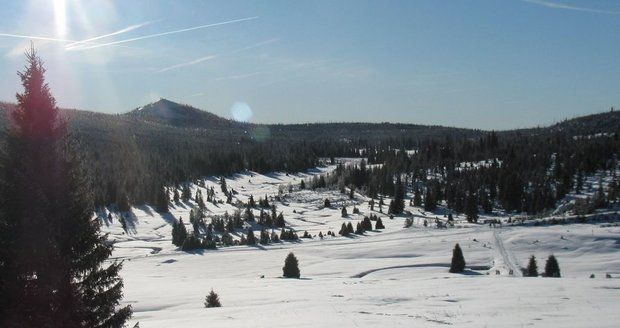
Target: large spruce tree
{"points": [[52, 256]]}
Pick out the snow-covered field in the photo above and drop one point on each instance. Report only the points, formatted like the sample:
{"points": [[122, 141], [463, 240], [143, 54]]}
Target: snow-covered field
{"points": [[395, 277]]}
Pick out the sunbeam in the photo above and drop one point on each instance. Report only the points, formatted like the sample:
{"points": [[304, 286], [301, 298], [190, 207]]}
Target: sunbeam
{"points": [[60, 17]]}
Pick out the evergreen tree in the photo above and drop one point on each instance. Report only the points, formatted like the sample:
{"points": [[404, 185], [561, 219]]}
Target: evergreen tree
{"points": [[264, 237], [359, 230], [280, 223], [186, 193], [199, 200], [196, 227], [344, 231], [458, 261], [179, 233], [429, 201], [471, 209], [53, 260], [223, 185], [212, 300], [379, 224], [600, 200], [552, 268], [532, 268], [343, 212], [397, 205], [291, 267], [579, 182], [249, 214], [227, 239], [229, 198], [350, 228], [251, 238], [123, 203], [366, 224], [485, 201], [251, 202], [274, 215], [191, 243], [176, 196], [162, 200], [417, 197], [302, 185], [327, 203]]}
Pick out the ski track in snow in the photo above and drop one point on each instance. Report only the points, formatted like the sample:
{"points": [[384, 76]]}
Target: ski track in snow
{"points": [[507, 258], [424, 265]]}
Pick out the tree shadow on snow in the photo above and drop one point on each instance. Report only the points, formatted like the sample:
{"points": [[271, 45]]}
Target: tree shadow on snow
{"points": [[468, 272], [130, 222], [293, 279], [146, 209], [169, 218]]}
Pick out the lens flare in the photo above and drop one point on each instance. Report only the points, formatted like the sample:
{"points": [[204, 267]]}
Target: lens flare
{"points": [[241, 111]]}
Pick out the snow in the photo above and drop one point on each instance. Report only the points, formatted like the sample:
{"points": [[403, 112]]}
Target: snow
{"points": [[466, 166], [596, 135], [397, 277]]}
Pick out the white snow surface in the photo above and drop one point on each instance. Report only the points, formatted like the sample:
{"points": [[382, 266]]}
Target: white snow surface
{"points": [[397, 277]]}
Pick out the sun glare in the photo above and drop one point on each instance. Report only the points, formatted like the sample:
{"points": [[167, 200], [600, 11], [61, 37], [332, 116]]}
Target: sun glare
{"points": [[60, 17]]}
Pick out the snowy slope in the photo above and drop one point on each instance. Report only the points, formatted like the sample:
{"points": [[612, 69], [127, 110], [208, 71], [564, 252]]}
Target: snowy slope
{"points": [[396, 277]]}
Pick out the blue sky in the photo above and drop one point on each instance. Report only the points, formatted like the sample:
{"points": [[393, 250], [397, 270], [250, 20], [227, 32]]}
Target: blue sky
{"points": [[490, 64]]}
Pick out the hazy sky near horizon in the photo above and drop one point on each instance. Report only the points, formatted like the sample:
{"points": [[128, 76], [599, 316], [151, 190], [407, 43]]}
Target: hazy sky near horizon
{"points": [[490, 64]]}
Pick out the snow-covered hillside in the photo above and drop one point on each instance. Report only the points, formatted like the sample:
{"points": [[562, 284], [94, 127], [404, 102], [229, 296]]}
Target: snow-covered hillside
{"points": [[394, 277]]}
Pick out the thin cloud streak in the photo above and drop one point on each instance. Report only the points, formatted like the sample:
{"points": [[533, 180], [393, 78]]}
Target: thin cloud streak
{"points": [[557, 5], [237, 77], [199, 60], [189, 63], [150, 36], [121, 31], [259, 44], [34, 37]]}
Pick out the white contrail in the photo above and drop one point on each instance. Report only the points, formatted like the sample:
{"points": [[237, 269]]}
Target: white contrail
{"points": [[256, 45], [71, 43], [557, 5], [125, 30], [164, 33], [193, 62], [237, 77], [196, 61], [33, 37]]}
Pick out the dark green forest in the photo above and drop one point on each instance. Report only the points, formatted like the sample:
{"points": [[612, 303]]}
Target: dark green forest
{"points": [[131, 156]]}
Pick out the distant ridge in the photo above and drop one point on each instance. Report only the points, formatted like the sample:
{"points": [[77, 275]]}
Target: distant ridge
{"points": [[168, 112], [167, 115]]}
